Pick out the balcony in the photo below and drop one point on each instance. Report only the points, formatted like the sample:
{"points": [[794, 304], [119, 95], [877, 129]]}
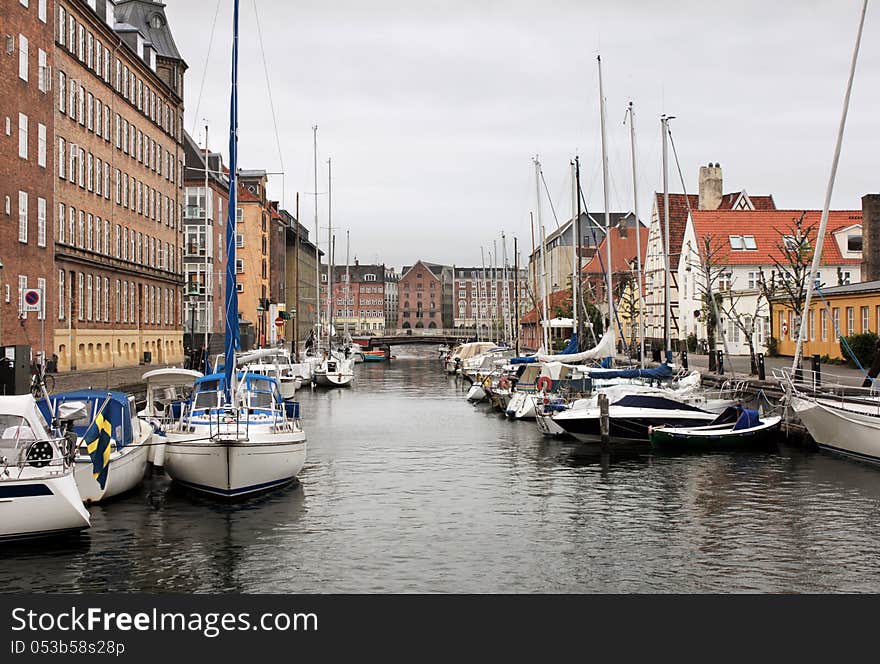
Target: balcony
{"points": [[195, 213]]}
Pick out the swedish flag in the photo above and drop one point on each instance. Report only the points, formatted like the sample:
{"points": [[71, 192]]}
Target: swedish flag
{"points": [[97, 439]]}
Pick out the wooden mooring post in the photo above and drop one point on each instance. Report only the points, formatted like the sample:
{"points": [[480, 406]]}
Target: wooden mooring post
{"points": [[604, 422]]}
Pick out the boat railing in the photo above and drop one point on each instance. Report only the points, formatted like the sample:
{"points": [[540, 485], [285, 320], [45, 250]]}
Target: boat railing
{"points": [[831, 389], [49, 454]]}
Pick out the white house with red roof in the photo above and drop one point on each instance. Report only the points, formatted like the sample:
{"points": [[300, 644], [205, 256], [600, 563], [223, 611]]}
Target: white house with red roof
{"points": [[710, 197], [741, 245]]}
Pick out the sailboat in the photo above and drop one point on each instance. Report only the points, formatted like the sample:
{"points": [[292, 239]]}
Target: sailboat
{"points": [[335, 369], [842, 420], [235, 436]]}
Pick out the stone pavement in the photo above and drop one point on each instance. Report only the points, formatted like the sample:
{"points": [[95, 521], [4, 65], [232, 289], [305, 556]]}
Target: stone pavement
{"points": [[128, 379]]}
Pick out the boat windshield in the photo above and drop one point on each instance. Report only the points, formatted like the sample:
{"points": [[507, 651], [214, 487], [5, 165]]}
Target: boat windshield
{"points": [[208, 394], [261, 393], [15, 431]]}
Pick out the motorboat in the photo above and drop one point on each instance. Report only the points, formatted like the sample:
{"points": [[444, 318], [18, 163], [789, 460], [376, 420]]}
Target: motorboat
{"points": [[233, 447], [274, 362], [167, 390], [38, 491], [130, 439]]}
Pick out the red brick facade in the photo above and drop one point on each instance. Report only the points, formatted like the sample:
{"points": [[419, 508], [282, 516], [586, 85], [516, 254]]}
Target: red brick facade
{"points": [[420, 303], [26, 167]]}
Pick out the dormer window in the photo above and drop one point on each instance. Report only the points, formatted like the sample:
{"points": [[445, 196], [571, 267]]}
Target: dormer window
{"points": [[749, 243], [157, 21], [736, 242], [854, 243]]}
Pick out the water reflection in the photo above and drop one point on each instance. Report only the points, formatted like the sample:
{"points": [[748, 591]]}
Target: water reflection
{"points": [[408, 488]]}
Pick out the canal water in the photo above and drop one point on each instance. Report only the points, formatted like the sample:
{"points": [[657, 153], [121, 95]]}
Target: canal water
{"points": [[408, 488]]}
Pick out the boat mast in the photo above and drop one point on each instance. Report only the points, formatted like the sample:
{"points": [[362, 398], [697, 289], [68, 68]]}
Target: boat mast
{"points": [[542, 239], [330, 256], [823, 223], [484, 299], [632, 141], [574, 254], [578, 257], [608, 282], [347, 274], [516, 294], [505, 291], [231, 341], [667, 340], [317, 244], [209, 276]]}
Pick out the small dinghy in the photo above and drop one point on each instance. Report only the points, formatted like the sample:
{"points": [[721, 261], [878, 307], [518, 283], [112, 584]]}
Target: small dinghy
{"points": [[736, 427]]}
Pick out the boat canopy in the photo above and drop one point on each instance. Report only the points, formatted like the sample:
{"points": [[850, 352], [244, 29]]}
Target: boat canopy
{"points": [[654, 402], [171, 377], [662, 372], [117, 411], [21, 420]]}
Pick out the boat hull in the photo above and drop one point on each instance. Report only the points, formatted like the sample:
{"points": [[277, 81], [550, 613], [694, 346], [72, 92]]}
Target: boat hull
{"points": [[684, 439], [333, 379], [840, 430], [126, 470], [235, 469], [41, 508], [631, 427]]}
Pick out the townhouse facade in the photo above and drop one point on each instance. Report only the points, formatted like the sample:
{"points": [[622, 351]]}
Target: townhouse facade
{"points": [[709, 197], [302, 260], [489, 302], [743, 249], [27, 161], [359, 293], [425, 296], [204, 218], [119, 196]]}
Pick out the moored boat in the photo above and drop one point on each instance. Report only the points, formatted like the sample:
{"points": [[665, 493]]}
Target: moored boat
{"points": [[735, 428], [38, 492]]}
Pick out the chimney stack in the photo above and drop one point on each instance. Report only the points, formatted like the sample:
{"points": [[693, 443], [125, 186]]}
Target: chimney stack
{"points": [[710, 187], [870, 237]]}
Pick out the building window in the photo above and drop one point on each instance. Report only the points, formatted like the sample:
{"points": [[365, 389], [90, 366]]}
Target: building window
{"points": [[61, 294], [239, 265], [41, 222], [854, 243], [42, 71], [22, 57], [22, 136], [62, 158], [23, 217], [850, 321], [866, 323], [835, 317], [41, 145]]}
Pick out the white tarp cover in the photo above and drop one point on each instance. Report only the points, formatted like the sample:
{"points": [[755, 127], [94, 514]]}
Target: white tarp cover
{"points": [[605, 348]]}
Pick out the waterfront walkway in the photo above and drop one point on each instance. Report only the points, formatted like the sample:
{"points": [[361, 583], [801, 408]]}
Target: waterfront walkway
{"points": [[127, 379]]}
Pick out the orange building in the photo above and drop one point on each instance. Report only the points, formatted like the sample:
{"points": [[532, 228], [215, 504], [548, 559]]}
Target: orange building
{"points": [[847, 310]]}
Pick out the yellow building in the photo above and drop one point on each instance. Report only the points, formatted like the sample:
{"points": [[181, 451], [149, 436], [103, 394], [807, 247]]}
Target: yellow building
{"points": [[252, 253], [847, 310]]}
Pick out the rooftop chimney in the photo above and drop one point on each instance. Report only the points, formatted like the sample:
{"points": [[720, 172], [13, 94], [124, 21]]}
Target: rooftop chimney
{"points": [[710, 187], [870, 237]]}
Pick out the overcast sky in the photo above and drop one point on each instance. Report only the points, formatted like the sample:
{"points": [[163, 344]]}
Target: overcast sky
{"points": [[433, 111]]}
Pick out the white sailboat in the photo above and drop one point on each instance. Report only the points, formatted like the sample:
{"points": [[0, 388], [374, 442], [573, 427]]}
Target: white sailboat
{"points": [[235, 436], [842, 420], [38, 492]]}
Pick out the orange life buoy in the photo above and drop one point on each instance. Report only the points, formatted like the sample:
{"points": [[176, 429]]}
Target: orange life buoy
{"points": [[544, 384], [504, 382]]}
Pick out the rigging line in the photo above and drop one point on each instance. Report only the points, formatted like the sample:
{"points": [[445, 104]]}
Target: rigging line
{"points": [[549, 198], [205, 71], [269, 90]]}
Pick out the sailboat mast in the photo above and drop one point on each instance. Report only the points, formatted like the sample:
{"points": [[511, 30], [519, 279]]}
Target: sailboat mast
{"points": [[484, 296], [574, 253], [347, 274], [667, 340], [578, 239], [823, 223], [608, 282], [317, 243], [330, 256], [209, 277], [542, 239], [641, 319], [231, 342], [505, 292], [516, 293]]}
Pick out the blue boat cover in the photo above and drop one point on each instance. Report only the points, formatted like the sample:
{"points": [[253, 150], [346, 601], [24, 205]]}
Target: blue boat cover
{"points": [[570, 349], [117, 411], [660, 373], [748, 419], [651, 401]]}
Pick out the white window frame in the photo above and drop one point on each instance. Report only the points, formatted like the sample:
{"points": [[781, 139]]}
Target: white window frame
{"points": [[22, 57], [23, 217]]}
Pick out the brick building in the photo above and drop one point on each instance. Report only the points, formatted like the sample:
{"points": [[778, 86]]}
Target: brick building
{"points": [[359, 303], [425, 296], [118, 91], [26, 169], [484, 304]]}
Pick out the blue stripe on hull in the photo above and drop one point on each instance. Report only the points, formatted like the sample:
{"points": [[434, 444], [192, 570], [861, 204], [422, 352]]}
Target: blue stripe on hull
{"points": [[235, 493], [847, 453], [25, 491]]}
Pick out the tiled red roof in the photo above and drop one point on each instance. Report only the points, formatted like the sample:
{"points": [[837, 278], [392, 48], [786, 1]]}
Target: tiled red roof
{"points": [[678, 211], [767, 227], [623, 251], [557, 299]]}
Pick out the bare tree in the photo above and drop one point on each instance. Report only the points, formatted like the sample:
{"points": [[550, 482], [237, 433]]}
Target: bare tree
{"points": [[708, 255], [793, 270], [744, 321]]}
